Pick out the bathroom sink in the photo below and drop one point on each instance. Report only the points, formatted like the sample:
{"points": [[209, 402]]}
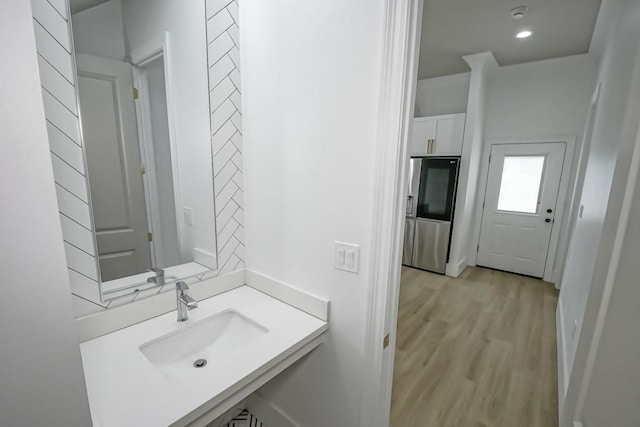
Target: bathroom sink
{"points": [[201, 347], [144, 374]]}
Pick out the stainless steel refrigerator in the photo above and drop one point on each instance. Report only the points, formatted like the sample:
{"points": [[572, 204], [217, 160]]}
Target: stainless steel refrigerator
{"points": [[430, 208]]}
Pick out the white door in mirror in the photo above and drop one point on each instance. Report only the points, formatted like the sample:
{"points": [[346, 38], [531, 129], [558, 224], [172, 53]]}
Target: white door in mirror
{"points": [[347, 256], [113, 164]]}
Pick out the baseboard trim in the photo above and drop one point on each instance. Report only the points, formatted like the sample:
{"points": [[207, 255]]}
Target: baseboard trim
{"points": [[311, 304], [456, 269], [267, 412], [563, 375]]}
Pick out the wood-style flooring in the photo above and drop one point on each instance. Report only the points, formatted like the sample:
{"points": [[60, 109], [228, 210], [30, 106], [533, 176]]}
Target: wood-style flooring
{"points": [[475, 351]]}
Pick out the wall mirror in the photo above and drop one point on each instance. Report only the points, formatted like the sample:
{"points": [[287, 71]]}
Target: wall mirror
{"points": [[147, 129]]}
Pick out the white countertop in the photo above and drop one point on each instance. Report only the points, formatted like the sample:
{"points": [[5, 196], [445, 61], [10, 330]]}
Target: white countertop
{"points": [[125, 389]]}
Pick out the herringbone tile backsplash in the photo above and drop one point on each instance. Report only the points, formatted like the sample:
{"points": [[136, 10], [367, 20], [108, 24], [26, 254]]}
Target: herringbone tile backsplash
{"points": [[226, 130]]}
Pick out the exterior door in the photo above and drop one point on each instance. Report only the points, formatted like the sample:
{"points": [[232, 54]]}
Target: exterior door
{"points": [[105, 89], [519, 206]]}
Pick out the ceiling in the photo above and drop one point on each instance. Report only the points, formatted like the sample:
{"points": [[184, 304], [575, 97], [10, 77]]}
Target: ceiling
{"points": [[80, 5], [454, 28]]}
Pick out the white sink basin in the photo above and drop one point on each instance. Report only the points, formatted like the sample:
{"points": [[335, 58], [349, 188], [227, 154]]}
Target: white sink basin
{"points": [[213, 339]]}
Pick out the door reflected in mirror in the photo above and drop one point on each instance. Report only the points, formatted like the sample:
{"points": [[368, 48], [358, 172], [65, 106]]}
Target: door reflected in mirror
{"points": [[144, 109]]}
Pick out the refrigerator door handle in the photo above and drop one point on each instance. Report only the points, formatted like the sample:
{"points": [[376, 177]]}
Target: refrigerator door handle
{"points": [[409, 232], [410, 199]]}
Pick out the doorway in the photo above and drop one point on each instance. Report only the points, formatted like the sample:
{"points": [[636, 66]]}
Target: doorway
{"points": [[519, 207]]}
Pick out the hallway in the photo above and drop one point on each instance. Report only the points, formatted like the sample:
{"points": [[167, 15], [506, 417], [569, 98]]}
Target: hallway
{"points": [[478, 350]]}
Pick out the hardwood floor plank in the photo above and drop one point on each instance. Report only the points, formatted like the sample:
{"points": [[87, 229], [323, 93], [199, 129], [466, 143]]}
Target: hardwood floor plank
{"points": [[475, 351]]}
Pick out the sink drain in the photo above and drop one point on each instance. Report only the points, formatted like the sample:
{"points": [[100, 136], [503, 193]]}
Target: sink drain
{"points": [[200, 363]]}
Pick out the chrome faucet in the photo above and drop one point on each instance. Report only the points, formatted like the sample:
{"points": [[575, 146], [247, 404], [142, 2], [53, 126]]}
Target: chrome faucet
{"points": [[184, 301], [158, 279]]}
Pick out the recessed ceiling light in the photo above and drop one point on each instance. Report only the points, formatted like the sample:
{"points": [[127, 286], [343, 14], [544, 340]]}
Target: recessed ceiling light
{"points": [[524, 34], [519, 12]]}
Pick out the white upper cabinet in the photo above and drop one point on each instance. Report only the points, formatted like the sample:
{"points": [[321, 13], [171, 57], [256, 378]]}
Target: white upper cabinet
{"points": [[437, 135]]}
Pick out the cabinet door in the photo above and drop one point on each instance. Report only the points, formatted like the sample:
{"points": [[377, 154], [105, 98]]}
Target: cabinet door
{"points": [[449, 134], [421, 132]]}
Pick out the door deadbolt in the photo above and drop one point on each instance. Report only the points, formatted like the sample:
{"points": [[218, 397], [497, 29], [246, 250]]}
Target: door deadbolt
{"points": [[547, 220], [549, 210]]}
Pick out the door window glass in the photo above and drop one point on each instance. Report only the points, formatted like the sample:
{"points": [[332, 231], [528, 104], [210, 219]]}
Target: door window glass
{"points": [[520, 184]]}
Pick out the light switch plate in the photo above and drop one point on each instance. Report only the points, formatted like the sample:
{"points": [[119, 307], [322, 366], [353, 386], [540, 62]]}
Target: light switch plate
{"points": [[188, 216], [347, 256]]}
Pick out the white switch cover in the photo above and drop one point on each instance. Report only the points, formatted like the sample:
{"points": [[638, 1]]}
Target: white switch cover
{"points": [[347, 256], [188, 216]]}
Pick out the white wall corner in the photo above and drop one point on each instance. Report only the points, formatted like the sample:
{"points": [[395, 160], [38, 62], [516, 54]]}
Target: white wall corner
{"points": [[315, 306], [463, 249], [456, 269], [267, 412], [484, 60]]}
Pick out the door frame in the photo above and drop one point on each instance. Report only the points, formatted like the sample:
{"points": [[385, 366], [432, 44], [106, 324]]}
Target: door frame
{"points": [[551, 273], [151, 51], [402, 22]]}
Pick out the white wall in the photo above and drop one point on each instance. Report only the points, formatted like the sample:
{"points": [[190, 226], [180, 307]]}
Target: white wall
{"points": [[442, 95], [604, 185], [310, 79], [542, 98], [41, 374], [615, 75], [614, 391], [98, 31], [147, 20]]}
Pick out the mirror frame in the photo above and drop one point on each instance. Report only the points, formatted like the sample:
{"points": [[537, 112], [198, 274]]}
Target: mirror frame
{"points": [[225, 138]]}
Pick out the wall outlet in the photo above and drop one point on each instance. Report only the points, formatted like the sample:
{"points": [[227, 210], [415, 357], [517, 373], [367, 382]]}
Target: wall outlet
{"points": [[347, 257], [188, 216]]}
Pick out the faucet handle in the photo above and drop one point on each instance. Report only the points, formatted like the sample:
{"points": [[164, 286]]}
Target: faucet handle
{"points": [[181, 286]]}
